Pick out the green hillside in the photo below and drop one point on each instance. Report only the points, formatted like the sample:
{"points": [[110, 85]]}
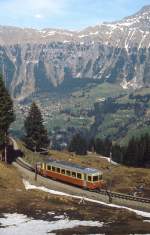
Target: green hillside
{"points": [[106, 110], [122, 117]]}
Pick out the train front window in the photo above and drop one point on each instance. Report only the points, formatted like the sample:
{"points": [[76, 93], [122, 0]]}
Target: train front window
{"points": [[95, 178], [89, 178], [78, 175]]}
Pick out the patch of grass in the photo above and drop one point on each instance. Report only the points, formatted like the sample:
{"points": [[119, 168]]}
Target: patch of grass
{"points": [[127, 179], [6, 172]]}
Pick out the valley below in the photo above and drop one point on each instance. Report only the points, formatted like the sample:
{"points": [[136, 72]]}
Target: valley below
{"points": [[101, 110]]}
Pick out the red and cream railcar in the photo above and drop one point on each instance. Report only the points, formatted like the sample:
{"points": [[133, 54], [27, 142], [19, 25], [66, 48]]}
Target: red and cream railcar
{"points": [[88, 178]]}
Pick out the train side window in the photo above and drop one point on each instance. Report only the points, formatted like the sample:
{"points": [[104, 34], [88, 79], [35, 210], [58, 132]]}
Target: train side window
{"points": [[74, 174], [95, 178], [53, 168], [68, 173], [100, 177], [89, 178], [49, 168], [63, 171], [79, 176], [58, 170]]}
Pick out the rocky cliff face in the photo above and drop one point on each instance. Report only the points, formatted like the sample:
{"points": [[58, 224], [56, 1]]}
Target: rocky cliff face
{"points": [[40, 60]]}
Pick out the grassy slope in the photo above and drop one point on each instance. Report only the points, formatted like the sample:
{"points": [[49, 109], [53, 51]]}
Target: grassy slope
{"points": [[138, 127], [122, 119], [81, 100], [14, 197]]}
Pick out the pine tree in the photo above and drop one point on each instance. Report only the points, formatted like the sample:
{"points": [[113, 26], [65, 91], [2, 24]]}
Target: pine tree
{"points": [[107, 147], [36, 134], [91, 145], [78, 145], [131, 156], [6, 112], [99, 146], [117, 153], [146, 157]]}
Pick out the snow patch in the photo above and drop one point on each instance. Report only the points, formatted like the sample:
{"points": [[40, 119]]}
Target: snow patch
{"points": [[59, 217], [51, 33], [78, 75], [66, 41], [101, 99], [142, 40], [124, 84], [127, 24], [29, 186], [108, 159], [42, 31], [54, 32], [48, 33], [134, 83], [112, 26], [94, 33], [83, 36], [18, 224]]}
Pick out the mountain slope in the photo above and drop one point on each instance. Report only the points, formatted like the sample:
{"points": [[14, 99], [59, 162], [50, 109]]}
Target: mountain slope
{"points": [[40, 60]]}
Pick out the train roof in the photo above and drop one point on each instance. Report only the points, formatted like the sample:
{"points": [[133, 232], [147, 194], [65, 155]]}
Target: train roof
{"points": [[72, 167]]}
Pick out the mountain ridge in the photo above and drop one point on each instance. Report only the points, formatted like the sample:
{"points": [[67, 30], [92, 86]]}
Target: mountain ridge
{"points": [[74, 35], [37, 60]]}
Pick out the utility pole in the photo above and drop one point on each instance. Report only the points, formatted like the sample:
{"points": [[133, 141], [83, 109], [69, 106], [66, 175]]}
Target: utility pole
{"points": [[36, 162], [5, 147], [110, 197], [35, 172], [5, 151]]}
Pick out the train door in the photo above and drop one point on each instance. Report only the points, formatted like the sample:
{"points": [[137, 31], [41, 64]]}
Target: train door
{"points": [[44, 169], [84, 182]]}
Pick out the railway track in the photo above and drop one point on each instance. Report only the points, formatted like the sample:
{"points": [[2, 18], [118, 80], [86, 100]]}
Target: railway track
{"points": [[109, 194]]}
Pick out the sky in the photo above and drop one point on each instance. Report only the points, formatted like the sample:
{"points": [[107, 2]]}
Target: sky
{"points": [[66, 14]]}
